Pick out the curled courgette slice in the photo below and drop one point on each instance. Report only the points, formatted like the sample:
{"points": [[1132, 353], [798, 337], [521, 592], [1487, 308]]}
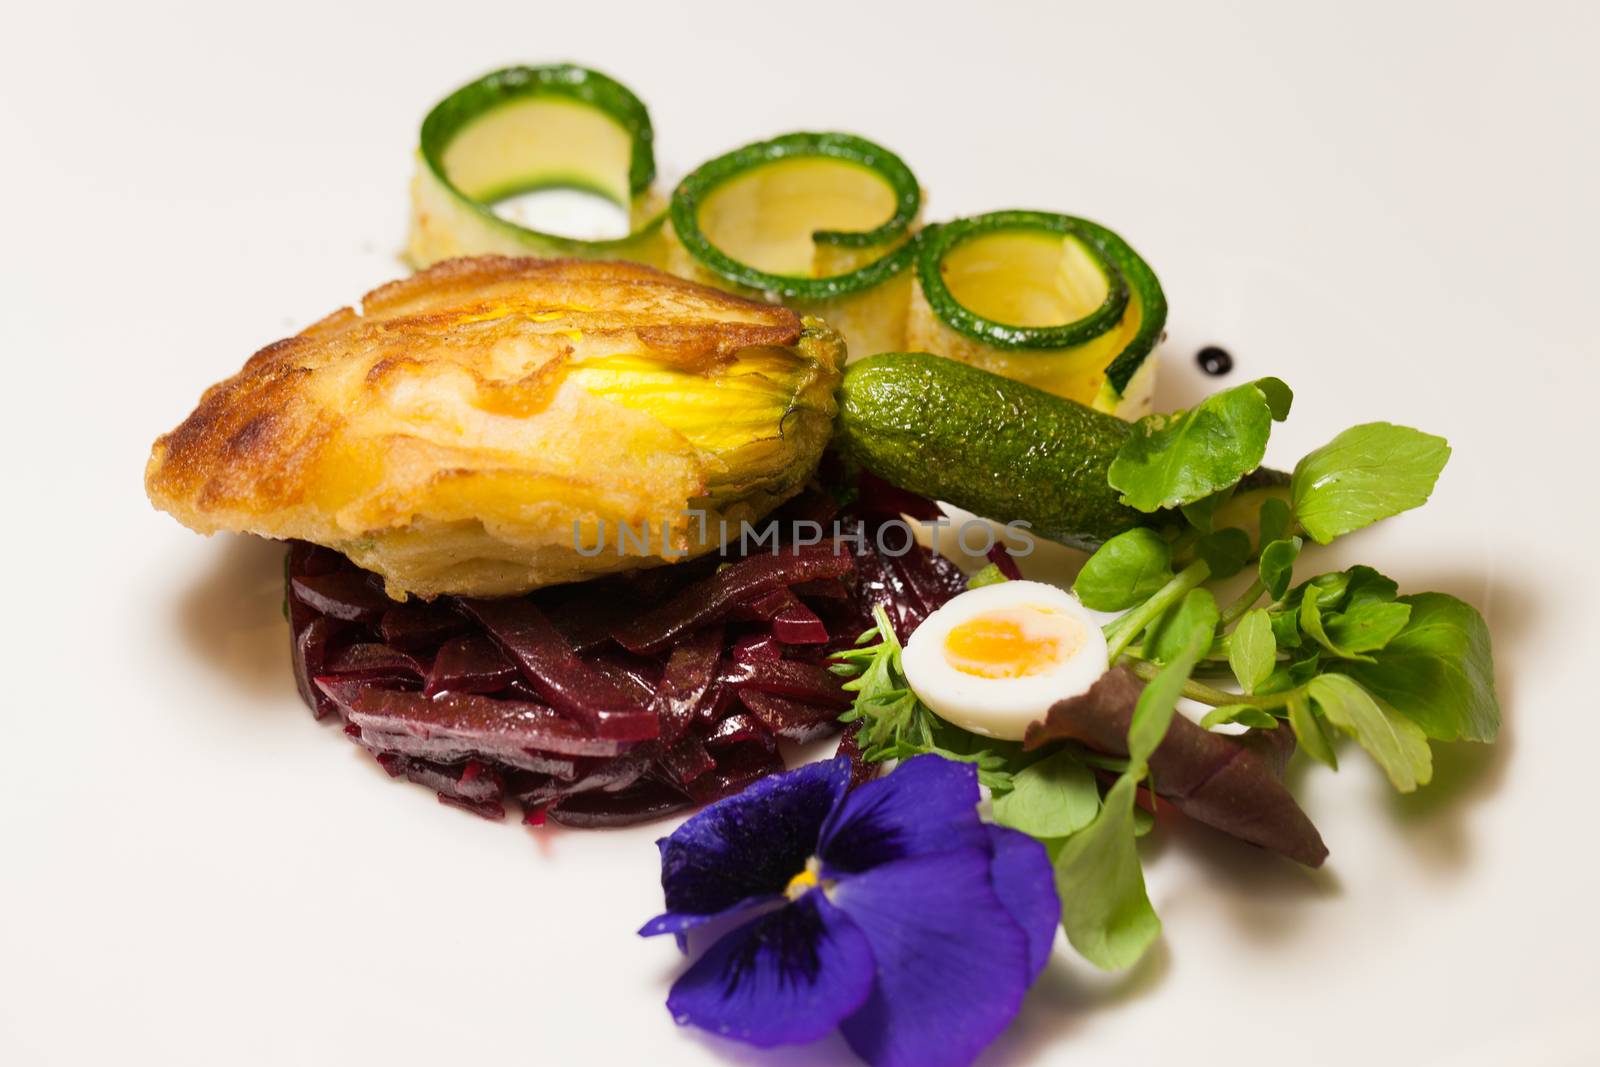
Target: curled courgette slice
{"points": [[527, 128], [823, 222], [1055, 301]]}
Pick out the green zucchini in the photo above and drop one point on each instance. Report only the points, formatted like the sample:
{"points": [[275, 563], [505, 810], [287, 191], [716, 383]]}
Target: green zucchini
{"points": [[985, 443], [823, 222], [526, 128], [1055, 301]]}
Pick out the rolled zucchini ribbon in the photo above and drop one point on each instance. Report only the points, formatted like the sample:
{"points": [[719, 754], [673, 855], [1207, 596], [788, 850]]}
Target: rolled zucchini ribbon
{"points": [[527, 128], [823, 222], [1055, 301], [827, 223]]}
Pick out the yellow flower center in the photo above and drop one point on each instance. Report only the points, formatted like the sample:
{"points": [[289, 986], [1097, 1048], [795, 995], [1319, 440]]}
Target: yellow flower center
{"points": [[805, 881]]}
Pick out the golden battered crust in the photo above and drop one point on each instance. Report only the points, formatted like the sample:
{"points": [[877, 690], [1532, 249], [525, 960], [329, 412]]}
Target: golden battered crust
{"points": [[450, 431]]}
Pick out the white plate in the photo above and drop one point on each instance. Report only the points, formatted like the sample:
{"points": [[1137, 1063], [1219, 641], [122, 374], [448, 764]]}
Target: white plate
{"points": [[1391, 208]]}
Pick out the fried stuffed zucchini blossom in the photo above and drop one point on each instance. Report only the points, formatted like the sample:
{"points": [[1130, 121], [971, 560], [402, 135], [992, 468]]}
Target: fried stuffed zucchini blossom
{"points": [[491, 425]]}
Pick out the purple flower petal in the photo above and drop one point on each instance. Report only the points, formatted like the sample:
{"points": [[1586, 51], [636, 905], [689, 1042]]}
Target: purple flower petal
{"points": [[1026, 885], [681, 922], [784, 978], [952, 963], [927, 804], [745, 849]]}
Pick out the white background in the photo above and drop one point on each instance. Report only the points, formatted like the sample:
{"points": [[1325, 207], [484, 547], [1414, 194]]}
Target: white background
{"points": [[1391, 206]]}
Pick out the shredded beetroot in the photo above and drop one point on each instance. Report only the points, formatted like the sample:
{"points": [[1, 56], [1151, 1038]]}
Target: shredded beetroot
{"points": [[740, 766], [684, 683], [688, 760], [711, 600], [861, 769], [310, 653], [415, 626], [374, 662], [642, 803], [472, 781], [765, 607], [352, 595], [548, 663], [879, 498], [614, 701], [792, 720], [797, 624], [451, 726], [756, 646], [808, 682], [909, 587], [469, 664]]}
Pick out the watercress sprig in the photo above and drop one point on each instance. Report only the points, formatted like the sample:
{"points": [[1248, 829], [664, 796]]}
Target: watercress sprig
{"points": [[1340, 650], [1338, 653], [1104, 907], [895, 724]]}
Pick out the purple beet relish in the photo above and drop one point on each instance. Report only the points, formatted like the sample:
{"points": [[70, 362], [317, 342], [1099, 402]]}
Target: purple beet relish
{"points": [[615, 701]]}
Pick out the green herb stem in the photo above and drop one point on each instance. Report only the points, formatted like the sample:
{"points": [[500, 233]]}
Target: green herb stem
{"points": [[1244, 603], [1098, 760], [1216, 698], [1121, 632]]}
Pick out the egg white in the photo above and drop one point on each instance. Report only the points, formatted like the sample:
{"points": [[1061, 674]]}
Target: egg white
{"points": [[1000, 707]]}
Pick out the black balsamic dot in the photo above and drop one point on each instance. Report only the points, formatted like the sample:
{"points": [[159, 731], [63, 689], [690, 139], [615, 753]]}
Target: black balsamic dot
{"points": [[1214, 361]]}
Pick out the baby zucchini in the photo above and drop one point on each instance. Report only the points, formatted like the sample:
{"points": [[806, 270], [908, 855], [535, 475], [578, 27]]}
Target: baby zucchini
{"points": [[820, 221], [988, 444], [527, 128], [1055, 301]]}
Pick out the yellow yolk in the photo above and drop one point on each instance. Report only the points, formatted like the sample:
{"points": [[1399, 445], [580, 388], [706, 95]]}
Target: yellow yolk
{"points": [[1013, 642], [996, 658]]}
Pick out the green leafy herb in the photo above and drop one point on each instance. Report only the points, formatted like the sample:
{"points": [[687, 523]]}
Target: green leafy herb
{"points": [[1252, 650], [1193, 619], [1339, 653], [1397, 744], [1171, 460], [1225, 551], [1311, 623], [1277, 565], [1055, 797], [1367, 586], [1438, 670], [991, 574], [1308, 731], [1328, 590], [1201, 514], [1367, 473], [1104, 907], [1184, 638], [897, 725], [1273, 523], [1285, 629], [1365, 627], [1244, 714], [1278, 395], [1350, 613], [1121, 631], [1127, 569], [1143, 821]]}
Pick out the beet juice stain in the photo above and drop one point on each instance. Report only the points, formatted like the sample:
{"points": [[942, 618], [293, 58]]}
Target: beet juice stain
{"points": [[1214, 361]]}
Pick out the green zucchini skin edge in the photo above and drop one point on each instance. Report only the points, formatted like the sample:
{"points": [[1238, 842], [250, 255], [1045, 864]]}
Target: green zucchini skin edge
{"points": [[590, 87], [987, 444], [692, 191], [1124, 269]]}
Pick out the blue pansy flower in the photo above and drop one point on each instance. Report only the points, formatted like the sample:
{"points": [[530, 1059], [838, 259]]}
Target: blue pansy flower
{"points": [[891, 912]]}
